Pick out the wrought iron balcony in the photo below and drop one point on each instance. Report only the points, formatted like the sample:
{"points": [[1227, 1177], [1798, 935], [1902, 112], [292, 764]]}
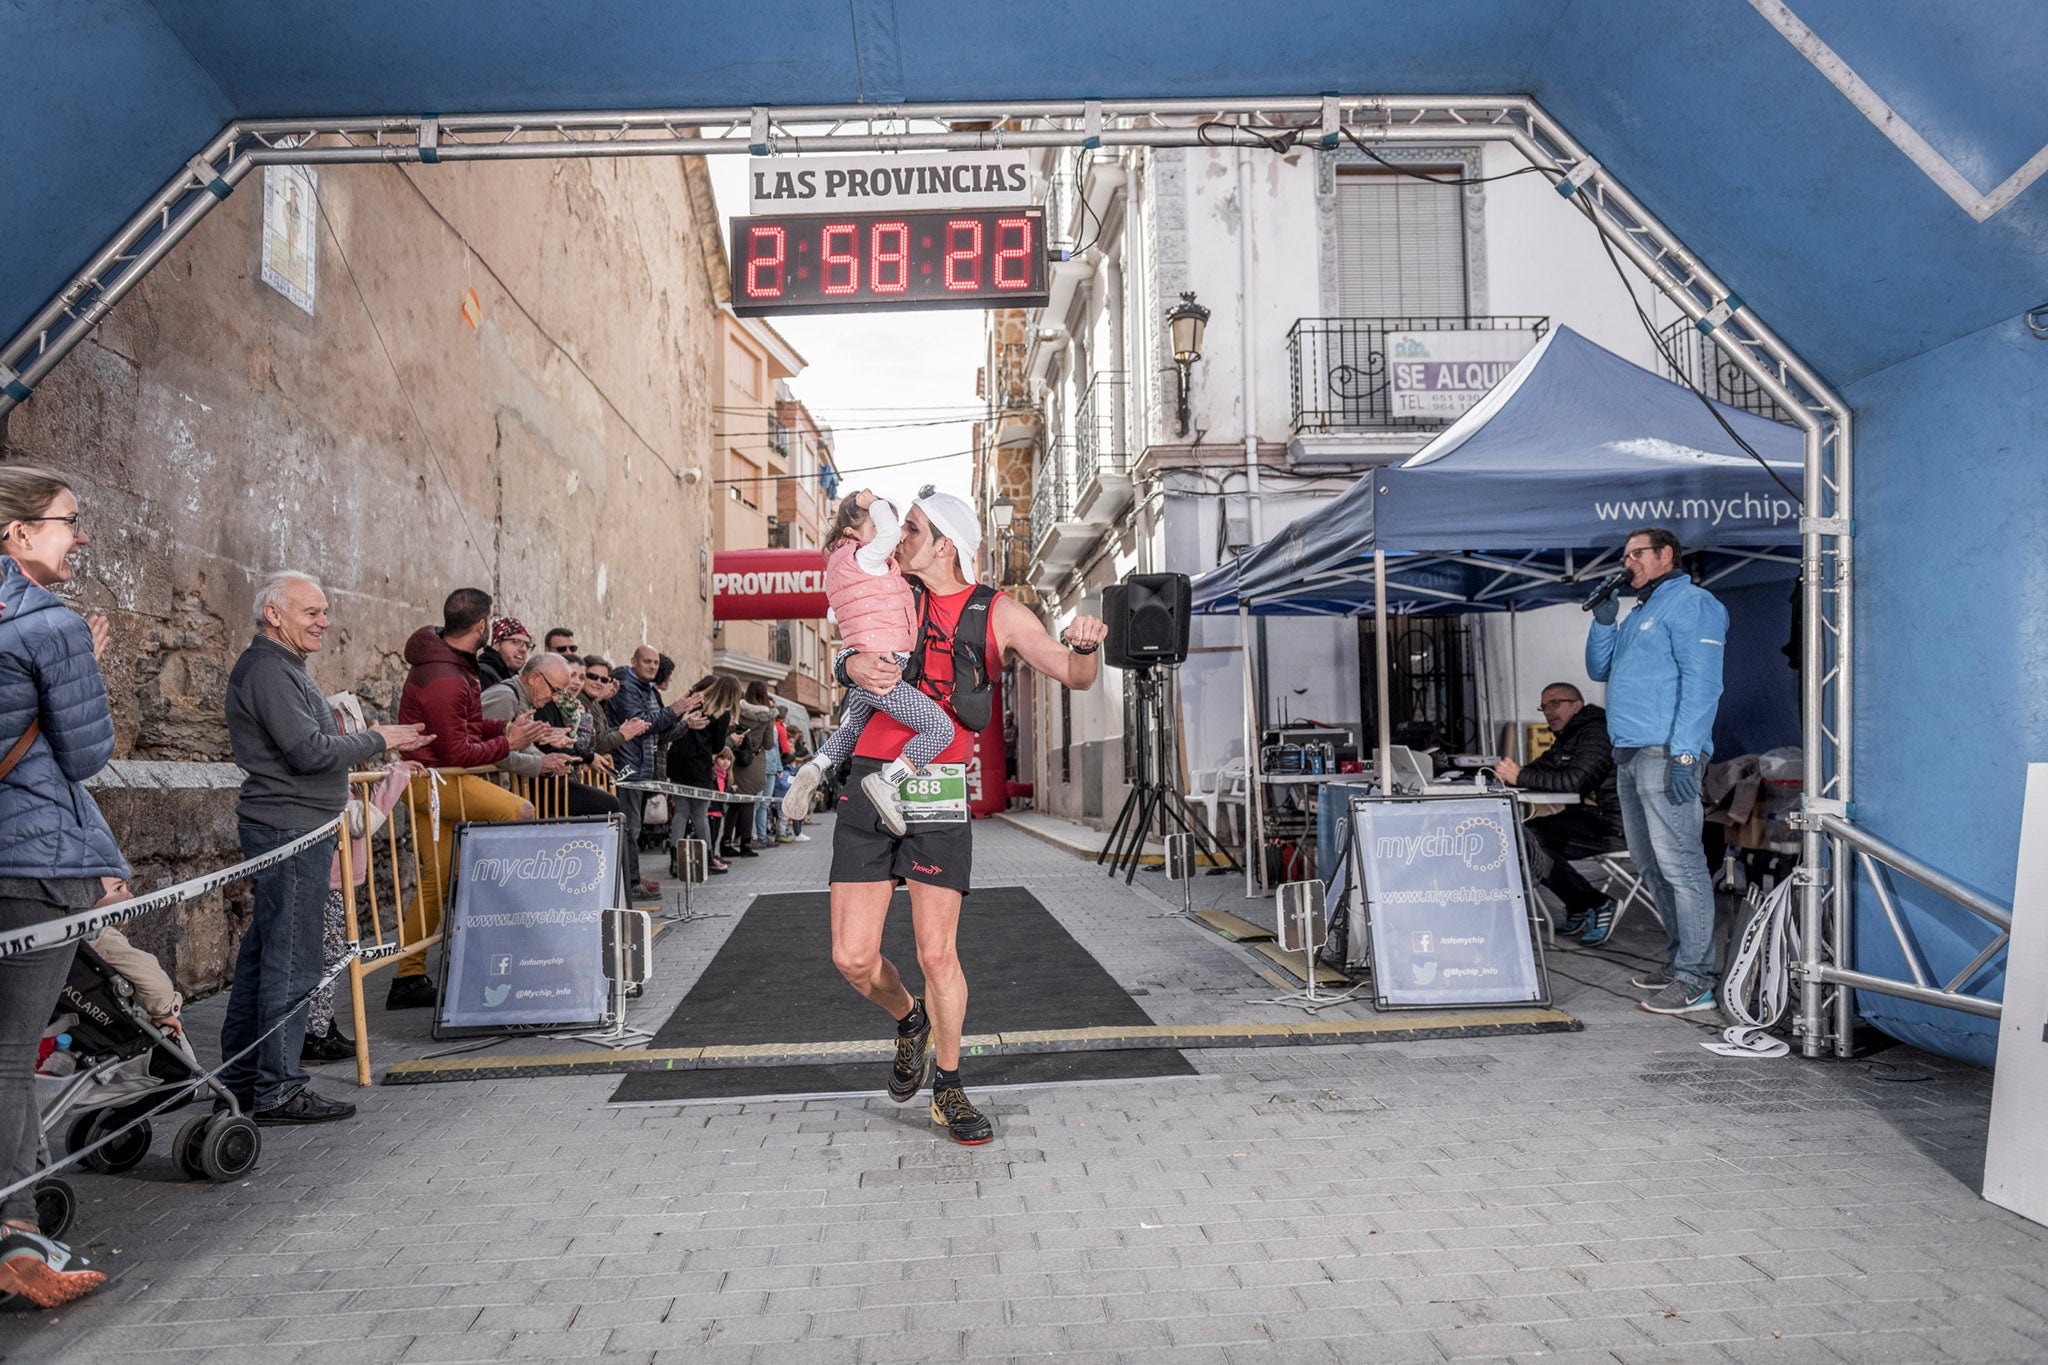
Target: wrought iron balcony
{"points": [[1713, 373], [1100, 447], [1052, 490], [1342, 374]]}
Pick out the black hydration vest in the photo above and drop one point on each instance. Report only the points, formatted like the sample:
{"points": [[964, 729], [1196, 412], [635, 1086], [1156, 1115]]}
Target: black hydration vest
{"points": [[973, 691]]}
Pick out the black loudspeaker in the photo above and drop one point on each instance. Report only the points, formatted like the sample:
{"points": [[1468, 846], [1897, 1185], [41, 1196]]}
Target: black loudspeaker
{"points": [[1147, 615]]}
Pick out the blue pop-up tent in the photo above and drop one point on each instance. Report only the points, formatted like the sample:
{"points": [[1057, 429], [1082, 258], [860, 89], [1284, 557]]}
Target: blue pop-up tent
{"points": [[1530, 493], [1526, 497]]}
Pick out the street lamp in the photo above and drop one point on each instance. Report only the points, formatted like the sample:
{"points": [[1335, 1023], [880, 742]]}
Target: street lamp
{"points": [[1000, 512], [1185, 321]]}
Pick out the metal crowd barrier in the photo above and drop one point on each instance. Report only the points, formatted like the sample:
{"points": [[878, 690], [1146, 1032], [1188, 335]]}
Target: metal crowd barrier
{"points": [[363, 907]]}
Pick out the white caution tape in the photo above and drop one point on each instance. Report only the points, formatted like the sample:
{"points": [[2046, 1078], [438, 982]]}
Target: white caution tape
{"points": [[182, 1092], [51, 933], [694, 793], [1759, 980]]}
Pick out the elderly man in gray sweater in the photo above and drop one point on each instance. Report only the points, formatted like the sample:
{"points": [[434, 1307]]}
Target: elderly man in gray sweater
{"points": [[295, 762]]}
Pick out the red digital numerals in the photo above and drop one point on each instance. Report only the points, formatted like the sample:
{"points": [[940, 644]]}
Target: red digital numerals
{"points": [[859, 259], [1013, 263], [889, 258], [767, 270]]}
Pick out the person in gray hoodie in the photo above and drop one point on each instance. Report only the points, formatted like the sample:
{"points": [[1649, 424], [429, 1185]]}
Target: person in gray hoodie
{"points": [[295, 762], [57, 856]]}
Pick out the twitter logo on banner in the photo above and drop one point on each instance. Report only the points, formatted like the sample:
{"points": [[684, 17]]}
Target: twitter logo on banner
{"points": [[495, 995]]}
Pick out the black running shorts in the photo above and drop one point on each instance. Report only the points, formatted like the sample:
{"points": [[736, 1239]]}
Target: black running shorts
{"points": [[863, 851]]}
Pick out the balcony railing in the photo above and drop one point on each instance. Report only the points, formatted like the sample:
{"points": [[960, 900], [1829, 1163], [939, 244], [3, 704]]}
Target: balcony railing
{"points": [[1100, 447], [1711, 371], [1052, 490], [1342, 374]]}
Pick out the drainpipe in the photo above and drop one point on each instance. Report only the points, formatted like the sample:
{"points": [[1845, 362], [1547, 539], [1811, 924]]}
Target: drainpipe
{"points": [[1248, 347]]}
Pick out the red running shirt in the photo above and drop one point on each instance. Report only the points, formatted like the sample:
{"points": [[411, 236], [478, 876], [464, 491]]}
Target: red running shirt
{"points": [[884, 736]]}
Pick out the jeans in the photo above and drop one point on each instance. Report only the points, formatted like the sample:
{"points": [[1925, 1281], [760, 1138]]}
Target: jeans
{"points": [[694, 821], [280, 961], [1664, 843], [632, 803], [29, 983]]}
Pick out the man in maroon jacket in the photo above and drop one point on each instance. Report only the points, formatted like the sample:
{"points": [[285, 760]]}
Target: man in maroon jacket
{"points": [[443, 685]]}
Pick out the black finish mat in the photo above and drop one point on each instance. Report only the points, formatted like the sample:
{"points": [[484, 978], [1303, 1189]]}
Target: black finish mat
{"points": [[774, 982]]}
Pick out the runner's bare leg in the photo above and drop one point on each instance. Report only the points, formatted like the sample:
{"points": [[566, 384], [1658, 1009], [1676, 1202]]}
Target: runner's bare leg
{"points": [[859, 910], [935, 919]]}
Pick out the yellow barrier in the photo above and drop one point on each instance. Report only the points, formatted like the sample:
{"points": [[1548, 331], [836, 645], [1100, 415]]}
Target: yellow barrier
{"points": [[410, 934]]}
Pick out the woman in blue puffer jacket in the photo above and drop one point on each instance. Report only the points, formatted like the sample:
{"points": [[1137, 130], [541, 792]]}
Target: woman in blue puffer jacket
{"points": [[57, 855]]}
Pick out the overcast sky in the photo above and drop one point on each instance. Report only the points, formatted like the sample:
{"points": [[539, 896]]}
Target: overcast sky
{"points": [[877, 378]]}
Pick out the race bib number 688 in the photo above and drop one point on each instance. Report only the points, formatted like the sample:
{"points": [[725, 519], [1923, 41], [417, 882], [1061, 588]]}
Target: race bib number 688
{"points": [[938, 795]]}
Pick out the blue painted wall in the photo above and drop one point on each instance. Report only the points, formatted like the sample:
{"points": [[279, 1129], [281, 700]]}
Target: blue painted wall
{"points": [[1952, 643], [101, 104]]}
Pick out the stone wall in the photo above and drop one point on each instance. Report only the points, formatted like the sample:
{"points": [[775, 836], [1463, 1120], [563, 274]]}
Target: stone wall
{"points": [[385, 443]]}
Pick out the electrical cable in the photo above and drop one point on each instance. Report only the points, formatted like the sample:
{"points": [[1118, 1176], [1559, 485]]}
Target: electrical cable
{"points": [[398, 378], [1649, 327], [846, 475], [1713, 408], [1413, 174], [546, 335]]}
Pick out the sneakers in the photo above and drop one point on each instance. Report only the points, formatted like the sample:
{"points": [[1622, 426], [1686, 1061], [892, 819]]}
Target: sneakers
{"points": [[801, 839], [1575, 923], [305, 1107], [1680, 998], [1656, 979], [802, 793], [1599, 924], [963, 1123], [912, 1070], [331, 1046], [717, 868], [36, 1270], [887, 801], [410, 993]]}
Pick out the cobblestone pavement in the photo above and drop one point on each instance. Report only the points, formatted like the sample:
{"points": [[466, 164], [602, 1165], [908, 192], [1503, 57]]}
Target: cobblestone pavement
{"points": [[1612, 1195]]}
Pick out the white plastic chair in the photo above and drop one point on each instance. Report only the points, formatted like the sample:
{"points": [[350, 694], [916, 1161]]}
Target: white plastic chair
{"points": [[1625, 886], [1228, 785]]}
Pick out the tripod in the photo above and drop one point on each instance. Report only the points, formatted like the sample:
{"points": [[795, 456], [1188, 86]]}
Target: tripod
{"points": [[1153, 796]]}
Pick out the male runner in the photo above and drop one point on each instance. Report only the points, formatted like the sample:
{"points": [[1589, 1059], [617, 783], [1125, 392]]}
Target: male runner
{"points": [[940, 538]]}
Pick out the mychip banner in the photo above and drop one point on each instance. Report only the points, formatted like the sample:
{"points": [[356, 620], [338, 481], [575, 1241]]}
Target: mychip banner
{"points": [[1446, 901], [523, 946]]}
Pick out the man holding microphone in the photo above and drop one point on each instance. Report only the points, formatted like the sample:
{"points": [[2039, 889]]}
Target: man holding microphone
{"points": [[1662, 667]]}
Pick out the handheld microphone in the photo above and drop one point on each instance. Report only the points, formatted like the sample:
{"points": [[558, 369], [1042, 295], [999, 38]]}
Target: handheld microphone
{"points": [[1608, 586]]}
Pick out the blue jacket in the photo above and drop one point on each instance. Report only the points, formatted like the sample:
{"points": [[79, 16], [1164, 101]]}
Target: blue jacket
{"points": [[49, 824], [1662, 667], [636, 699]]}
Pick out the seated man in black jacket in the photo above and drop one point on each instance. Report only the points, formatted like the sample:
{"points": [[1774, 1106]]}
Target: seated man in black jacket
{"points": [[1579, 765]]}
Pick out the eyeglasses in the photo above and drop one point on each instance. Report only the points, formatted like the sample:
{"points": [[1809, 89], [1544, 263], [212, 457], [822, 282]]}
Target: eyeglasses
{"points": [[1640, 552], [71, 521]]}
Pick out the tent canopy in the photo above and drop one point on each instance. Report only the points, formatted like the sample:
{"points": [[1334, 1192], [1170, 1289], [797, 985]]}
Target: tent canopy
{"points": [[1532, 491]]}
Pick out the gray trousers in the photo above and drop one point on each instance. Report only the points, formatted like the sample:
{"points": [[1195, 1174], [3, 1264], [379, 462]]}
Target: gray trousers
{"points": [[29, 983]]}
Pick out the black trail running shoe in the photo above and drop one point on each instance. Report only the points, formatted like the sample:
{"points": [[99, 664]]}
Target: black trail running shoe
{"points": [[963, 1123], [912, 1070]]}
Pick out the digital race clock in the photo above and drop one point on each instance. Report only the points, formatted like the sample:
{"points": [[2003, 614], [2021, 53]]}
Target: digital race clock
{"points": [[846, 262]]}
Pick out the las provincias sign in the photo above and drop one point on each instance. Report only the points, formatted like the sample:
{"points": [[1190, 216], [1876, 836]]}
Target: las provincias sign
{"points": [[915, 180], [768, 585]]}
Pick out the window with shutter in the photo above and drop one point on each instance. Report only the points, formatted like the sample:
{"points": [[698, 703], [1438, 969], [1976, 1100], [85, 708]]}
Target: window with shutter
{"points": [[1400, 247]]}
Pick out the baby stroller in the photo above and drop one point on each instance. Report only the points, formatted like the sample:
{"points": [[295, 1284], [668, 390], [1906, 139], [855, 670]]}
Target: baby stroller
{"points": [[126, 1067]]}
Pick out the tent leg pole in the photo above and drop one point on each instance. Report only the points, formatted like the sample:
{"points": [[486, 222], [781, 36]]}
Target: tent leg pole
{"points": [[1380, 655], [1255, 786]]}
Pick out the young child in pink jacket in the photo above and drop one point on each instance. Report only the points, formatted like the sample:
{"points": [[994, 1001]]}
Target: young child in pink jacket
{"points": [[876, 613]]}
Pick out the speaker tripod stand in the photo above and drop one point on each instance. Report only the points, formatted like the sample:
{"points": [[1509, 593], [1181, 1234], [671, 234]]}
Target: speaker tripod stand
{"points": [[1154, 798]]}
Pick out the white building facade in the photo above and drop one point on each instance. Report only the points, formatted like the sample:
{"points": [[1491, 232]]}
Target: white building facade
{"points": [[1308, 262]]}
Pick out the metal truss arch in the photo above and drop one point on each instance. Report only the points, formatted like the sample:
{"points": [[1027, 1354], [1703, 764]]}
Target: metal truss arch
{"points": [[1826, 530]]}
